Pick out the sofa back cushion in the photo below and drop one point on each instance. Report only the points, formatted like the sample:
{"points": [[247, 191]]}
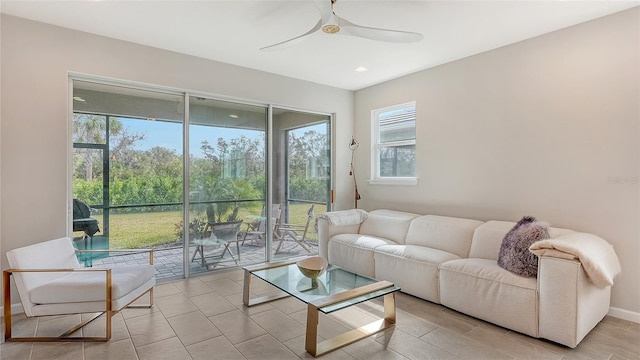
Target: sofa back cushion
{"points": [[387, 224], [444, 233], [488, 237]]}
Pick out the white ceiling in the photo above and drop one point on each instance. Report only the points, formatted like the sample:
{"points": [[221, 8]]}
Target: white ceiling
{"points": [[233, 31]]}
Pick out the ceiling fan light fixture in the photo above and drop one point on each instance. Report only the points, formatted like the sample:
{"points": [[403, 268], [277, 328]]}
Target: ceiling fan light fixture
{"points": [[331, 29]]}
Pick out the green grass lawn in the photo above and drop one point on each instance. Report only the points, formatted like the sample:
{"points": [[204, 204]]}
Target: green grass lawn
{"points": [[154, 229]]}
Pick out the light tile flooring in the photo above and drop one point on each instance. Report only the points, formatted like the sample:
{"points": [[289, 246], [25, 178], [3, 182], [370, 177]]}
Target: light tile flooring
{"points": [[203, 318]]}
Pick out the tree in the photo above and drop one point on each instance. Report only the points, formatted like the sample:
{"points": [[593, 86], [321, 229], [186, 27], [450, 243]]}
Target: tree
{"points": [[307, 151], [88, 129], [92, 129]]}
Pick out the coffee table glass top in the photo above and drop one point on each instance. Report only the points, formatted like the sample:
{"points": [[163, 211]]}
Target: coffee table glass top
{"points": [[335, 280]]}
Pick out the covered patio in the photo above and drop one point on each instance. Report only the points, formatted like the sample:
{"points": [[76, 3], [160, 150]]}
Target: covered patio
{"points": [[168, 262]]}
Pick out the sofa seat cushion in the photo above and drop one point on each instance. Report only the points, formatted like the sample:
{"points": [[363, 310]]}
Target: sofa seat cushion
{"points": [[85, 286], [354, 252], [417, 253], [413, 268], [481, 288]]}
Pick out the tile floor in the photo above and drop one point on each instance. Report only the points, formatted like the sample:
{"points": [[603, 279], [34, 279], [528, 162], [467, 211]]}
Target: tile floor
{"points": [[203, 318]]}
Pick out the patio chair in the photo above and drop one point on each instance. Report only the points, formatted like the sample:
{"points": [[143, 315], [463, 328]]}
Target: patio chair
{"points": [[295, 233], [222, 235], [82, 220], [259, 232], [256, 220], [50, 281]]}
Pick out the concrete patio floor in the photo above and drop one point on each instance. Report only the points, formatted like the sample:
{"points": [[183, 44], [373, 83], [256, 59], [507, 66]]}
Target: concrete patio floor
{"points": [[168, 262]]}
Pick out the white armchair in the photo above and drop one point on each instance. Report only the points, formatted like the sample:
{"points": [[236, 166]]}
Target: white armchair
{"points": [[51, 281]]}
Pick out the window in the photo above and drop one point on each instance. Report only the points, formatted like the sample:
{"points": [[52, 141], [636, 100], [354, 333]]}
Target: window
{"points": [[394, 145]]}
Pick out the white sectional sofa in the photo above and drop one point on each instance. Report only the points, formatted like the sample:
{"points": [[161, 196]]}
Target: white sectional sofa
{"points": [[453, 262]]}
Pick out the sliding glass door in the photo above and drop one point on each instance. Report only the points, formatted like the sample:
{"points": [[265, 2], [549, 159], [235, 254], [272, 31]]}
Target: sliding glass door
{"points": [[208, 184], [127, 170], [301, 149], [227, 184]]}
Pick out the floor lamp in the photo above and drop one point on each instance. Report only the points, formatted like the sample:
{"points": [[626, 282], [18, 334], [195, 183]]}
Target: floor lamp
{"points": [[353, 146]]}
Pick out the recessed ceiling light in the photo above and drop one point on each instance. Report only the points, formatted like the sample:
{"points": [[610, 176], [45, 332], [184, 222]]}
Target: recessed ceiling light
{"points": [[361, 69], [234, 116]]}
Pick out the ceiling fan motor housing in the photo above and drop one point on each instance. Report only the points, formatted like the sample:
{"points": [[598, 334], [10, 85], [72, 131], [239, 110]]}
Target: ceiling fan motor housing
{"points": [[331, 29]]}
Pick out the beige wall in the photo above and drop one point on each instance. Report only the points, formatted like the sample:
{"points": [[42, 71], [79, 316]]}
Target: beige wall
{"points": [[36, 59], [547, 127]]}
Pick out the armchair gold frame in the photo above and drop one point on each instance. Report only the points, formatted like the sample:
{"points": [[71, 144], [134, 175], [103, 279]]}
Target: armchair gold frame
{"points": [[6, 281]]}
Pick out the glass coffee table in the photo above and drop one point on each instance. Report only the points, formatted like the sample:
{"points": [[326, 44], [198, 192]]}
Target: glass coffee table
{"points": [[334, 290]]}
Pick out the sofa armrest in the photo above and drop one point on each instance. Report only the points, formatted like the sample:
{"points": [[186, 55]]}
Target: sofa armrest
{"points": [[345, 217], [337, 222], [570, 305], [596, 255]]}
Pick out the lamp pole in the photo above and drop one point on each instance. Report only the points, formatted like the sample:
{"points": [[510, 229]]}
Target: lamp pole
{"points": [[353, 146]]}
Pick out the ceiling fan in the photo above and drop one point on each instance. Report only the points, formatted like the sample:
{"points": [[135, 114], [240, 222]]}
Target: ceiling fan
{"points": [[330, 23]]}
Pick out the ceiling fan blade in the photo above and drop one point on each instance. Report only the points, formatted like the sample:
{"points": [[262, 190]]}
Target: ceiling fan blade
{"points": [[397, 36], [294, 40], [325, 7]]}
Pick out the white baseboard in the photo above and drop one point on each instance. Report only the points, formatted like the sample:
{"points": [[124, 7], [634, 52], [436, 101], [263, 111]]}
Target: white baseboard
{"points": [[613, 311], [15, 309], [624, 314]]}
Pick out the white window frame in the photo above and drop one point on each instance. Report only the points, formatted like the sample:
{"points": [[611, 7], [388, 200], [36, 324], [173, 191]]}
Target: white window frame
{"points": [[376, 179]]}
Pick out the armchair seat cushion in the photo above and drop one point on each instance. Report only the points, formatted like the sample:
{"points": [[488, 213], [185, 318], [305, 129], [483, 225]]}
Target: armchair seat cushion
{"points": [[86, 286]]}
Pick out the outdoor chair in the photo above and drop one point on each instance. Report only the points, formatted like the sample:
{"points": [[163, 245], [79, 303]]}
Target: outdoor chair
{"points": [[222, 235], [51, 281], [259, 232], [82, 220], [295, 233], [256, 221]]}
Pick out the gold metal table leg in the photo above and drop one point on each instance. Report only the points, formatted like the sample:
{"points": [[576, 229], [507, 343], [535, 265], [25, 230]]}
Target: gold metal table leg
{"points": [[246, 287], [311, 339], [246, 297], [316, 349]]}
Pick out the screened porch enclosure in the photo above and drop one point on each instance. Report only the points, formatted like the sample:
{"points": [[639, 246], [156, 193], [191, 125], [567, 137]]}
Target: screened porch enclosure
{"points": [[242, 161]]}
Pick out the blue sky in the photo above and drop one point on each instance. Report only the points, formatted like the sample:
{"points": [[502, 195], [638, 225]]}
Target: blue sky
{"points": [[169, 135]]}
